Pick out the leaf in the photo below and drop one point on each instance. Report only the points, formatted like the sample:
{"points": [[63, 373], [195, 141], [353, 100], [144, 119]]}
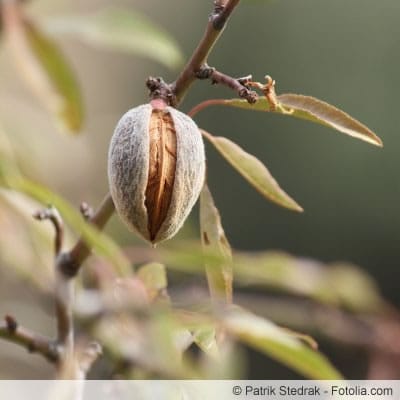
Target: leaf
{"points": [[253, 170], [336, 284], [318, 111], [314, 110], [355, 288], [123, 30], [279, 344], [44, 68], [61, 77], [219, 275]]}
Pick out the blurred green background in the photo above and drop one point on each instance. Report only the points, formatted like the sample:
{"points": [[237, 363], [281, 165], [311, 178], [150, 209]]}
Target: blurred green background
{"points": [[343, 52]]}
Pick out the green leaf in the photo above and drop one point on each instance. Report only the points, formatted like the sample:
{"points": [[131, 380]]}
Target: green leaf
{"points": [[213, 239], [314, 110], [354, 288], [279, 344], [318, 111], [336, 284], [123, 30], [60, 77], [44, 68], [253, 170]]}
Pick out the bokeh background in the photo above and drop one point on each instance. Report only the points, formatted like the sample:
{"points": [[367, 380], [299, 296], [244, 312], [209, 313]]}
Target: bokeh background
{"points": [[345, 53]]}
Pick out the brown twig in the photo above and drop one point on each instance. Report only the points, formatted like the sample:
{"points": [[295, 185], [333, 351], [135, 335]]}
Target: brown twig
{"points": [[236, 84], [63, 291], [67, 266], [64, 298], [51, 213], [11, 331], [204, 104], [216, 24]]}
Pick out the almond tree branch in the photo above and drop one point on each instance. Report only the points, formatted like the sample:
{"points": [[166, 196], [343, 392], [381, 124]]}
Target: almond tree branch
{"points": [[216, 24], [11, 331], [63, 290], [64, 298], [67, 266]]}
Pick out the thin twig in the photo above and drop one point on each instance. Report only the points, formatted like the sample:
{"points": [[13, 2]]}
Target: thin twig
{"points": [[236, 84], [63, 290], [64, 298], [67, 266], [204, 104], [216, 24], [51, 213], [11, 331]]}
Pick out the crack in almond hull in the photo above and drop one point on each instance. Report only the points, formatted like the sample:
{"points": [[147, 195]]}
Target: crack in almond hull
{"points": [[162, 167]]}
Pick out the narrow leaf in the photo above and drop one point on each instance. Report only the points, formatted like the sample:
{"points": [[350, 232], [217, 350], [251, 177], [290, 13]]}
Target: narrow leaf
{"points": [[314, 110], [213, 239], [122, 30], [253, 170], [318, 111], [44, 68], [276, 342], [336, 284]]}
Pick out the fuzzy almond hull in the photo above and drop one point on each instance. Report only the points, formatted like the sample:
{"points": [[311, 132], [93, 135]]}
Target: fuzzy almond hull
{"points": [[128, 171]]}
